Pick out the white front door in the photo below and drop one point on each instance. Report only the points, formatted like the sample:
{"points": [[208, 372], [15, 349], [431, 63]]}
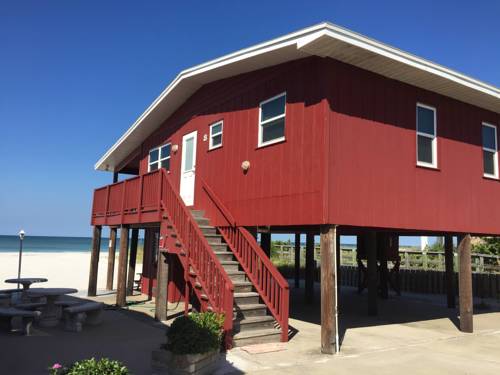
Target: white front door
{"points": [[188, 166]]}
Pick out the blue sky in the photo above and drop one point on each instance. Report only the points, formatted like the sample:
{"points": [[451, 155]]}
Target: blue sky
{"points": [[75, 74]]}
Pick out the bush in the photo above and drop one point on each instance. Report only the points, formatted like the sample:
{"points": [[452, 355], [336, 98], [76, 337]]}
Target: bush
{"points": [[196, 333], [104, 366]]}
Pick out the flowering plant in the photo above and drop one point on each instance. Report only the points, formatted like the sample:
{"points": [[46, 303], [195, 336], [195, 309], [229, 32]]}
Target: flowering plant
{"points": [[103, 366]]}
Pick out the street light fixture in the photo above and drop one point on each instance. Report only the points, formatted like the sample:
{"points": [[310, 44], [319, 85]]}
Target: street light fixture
{"points": [[21, 238]]}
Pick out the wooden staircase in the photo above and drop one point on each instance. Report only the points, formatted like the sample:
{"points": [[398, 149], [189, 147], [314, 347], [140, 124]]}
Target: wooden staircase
{"points": [[224, 267], [252, 323]]}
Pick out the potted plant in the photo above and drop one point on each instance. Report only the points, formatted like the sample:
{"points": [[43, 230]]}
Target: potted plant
{"points": [[193, 345]]}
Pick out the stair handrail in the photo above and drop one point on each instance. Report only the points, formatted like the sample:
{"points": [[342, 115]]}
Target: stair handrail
{"points": [[218, 203], [188, 231], [267, 280]]}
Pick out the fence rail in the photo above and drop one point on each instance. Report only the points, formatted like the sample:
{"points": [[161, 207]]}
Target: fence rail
{"points": [[410, 259]]}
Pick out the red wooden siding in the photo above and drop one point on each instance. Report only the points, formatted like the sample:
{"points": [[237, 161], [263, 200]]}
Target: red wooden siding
{"points": [[349, 157], [284, 178], [374, 180]]}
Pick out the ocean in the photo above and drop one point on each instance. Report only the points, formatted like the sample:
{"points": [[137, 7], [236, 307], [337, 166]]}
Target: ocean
{"points": [[49, 244]]}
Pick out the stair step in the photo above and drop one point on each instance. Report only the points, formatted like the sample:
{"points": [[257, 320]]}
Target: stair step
{"points": [[253, 323], [220, 247], [224, 255], [230, 265], [213, 238], [237, 276], [248, 310], [197, 213], [207, 229], [257, 336], [246, 298], [242, 286], [202, 221]]}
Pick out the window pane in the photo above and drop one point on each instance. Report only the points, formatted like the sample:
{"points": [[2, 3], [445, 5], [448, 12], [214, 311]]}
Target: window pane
{"points": [[489, 162], [166, 164], [165, 151], [216, 128], [153, 155], [217, 140], [425, 120], [188, 165], [273, 108], [489, 140], [153, 166], [424, 149], [273, 130]]}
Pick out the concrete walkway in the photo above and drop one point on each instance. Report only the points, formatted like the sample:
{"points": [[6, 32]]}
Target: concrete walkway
{"points": [[413, 334]]}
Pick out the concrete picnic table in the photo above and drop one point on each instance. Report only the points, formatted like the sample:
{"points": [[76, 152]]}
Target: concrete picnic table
{"points": [[51, 311], [26, 281]]}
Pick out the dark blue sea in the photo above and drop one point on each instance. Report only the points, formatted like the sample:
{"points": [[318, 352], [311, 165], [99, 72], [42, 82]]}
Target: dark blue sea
{"points": [[45, 244]]}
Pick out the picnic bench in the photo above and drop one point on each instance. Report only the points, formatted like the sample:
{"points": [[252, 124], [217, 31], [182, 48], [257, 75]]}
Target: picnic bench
{"points": [[75, 316], [12, 318]]}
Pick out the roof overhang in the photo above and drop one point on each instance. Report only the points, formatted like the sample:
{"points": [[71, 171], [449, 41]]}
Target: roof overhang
{"points": [[324, 40]]}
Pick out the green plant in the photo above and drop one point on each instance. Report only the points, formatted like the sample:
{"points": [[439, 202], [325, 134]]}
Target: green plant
{"points": [[195, 333], [103, 366], [487, 245]]}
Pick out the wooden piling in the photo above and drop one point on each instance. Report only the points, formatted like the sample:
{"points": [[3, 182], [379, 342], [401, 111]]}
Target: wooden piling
{"points": [[309, 276], [265, 243], [161, 299], [134, 239], [371, 253], [111, 259], [94, 261], [121, 290], [465, 284], [449, 272], [329, 302], [297, 260]]}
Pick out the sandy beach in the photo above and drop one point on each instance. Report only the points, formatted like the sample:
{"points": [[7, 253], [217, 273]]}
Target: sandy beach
{"points": [[64, 269]]}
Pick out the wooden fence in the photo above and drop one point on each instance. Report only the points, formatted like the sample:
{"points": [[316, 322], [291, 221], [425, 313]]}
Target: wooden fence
{"points": [[410, 259], [417, 281]]}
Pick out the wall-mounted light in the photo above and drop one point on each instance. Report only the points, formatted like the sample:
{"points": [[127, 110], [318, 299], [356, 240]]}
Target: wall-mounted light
{"points": [[245, 166], [175, 148]]}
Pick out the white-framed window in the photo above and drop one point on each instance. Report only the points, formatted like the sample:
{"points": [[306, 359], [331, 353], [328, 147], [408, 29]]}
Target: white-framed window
{"points": [[159, 157], [216, 135], [490, 150], [426, 136], [272, 120]]}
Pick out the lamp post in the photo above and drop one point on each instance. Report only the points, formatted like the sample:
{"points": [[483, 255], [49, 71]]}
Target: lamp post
{"points": [[21, 238]]}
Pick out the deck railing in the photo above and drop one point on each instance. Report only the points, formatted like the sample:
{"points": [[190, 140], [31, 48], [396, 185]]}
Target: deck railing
{"points": [[267, 280], [126, 202], [148, 198]]}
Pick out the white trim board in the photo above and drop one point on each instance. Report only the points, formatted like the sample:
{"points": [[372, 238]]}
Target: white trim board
{"points": [[324, 39]]}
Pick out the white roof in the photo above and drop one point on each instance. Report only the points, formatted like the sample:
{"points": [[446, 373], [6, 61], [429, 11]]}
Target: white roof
{"points": [[323, 40]]}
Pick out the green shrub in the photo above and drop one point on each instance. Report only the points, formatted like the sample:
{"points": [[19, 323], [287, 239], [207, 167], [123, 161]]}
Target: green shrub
{"points": [[195, 333], [104, 366]]}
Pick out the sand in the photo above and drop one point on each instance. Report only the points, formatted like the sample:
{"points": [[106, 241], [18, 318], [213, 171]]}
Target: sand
{"points": [[65, 270]]}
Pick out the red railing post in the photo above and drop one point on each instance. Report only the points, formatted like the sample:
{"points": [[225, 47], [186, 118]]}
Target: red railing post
{"points": [[124, 194], [160, 183], [139, 200], [106, 206]]}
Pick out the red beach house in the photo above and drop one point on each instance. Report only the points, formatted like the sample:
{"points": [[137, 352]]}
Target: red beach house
{"points": [[322, 131]]}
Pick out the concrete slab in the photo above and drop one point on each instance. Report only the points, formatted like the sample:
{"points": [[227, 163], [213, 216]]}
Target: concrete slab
{"points": [[413, 334]]}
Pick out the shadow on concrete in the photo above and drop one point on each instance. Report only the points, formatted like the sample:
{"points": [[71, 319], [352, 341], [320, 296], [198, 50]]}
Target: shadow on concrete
{"points": [[128, 335], [353, 309]]}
